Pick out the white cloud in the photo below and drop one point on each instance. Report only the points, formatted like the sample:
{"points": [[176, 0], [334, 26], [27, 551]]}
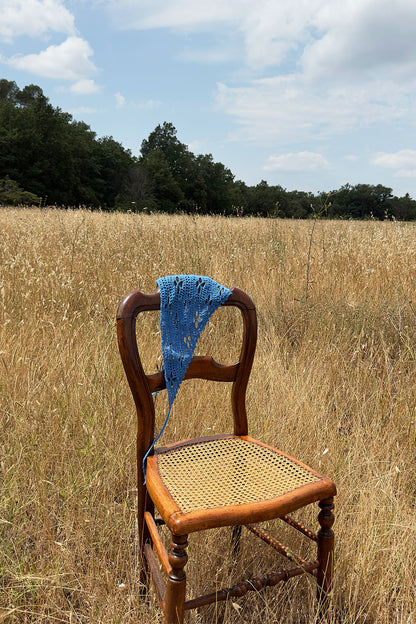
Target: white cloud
{"points": [[183, 14], [352, 35], [194, 146], [359, 38], [67, 61], [82, 110], [84, 87], [268, 29], [297, 161], [34, 18], [148, 104], [271, 29], [402, 163], [328, 37], [332, 67], [120, 100], [223, 52], [287, 108]]}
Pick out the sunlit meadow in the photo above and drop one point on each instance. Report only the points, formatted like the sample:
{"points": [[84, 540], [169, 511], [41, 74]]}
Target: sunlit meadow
{"points": [[333, 384]]}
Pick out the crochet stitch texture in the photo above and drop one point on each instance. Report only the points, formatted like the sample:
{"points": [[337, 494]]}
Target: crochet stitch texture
{"points": [[186, 304]]}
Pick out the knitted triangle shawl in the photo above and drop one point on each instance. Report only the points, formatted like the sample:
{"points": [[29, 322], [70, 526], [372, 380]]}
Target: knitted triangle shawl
{"points": [[186, 304]]}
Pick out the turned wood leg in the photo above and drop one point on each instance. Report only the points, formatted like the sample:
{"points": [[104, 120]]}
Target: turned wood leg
{"points": [[325, 553], [176, 583], [144, 504]]}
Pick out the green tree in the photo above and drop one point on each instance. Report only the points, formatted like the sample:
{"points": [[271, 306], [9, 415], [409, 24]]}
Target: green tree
{"points": [[267, 201], [8, 91], [182, 181], [301, 204], [167, 193], [137, 190], [61, 160], [403, 208], [178, 157], [113, 164], [239, 197], [361, 201], [215, 186], [12, 194]]}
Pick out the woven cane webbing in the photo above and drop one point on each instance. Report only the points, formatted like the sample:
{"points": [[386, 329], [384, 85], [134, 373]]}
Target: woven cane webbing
{"points": [[229, 471]]}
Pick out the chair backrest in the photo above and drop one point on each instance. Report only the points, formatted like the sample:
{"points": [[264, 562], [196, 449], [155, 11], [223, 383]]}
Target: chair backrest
{"points": [[142, 385]]}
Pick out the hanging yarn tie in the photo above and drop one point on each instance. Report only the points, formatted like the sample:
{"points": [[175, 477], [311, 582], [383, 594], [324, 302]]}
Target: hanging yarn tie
{"points": [[186, 304]]}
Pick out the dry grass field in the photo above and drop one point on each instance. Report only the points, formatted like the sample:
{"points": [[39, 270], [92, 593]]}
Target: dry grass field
{"points": [[334, 384]]}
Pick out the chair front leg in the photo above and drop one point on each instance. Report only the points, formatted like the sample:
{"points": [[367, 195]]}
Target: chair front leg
{"points": [[325, 553], [145, 503], [176, 583]]}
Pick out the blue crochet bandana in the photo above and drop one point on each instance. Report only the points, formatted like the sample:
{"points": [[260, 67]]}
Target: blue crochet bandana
{"points": [[186, 304]]}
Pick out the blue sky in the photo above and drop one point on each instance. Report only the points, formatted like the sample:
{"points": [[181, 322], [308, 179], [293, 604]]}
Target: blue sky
{"points": [[308, 94]]}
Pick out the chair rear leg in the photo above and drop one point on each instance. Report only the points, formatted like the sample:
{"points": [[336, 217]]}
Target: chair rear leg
{"points": [[325, 554], [176, 583], [235, 542]]}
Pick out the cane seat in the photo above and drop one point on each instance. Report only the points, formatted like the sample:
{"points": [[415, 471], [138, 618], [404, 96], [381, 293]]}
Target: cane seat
{"points": [[227, 480]]}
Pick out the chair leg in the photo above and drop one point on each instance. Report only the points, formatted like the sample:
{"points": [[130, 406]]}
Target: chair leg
{"points": [[144, 504], [176, 583], [325, 553], [235, 542]]}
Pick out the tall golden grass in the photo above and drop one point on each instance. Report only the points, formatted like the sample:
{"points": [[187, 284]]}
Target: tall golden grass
{"points": [[333, 384]]}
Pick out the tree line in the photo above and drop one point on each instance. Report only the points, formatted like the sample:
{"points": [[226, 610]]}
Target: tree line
{"points": [[48, 158]]}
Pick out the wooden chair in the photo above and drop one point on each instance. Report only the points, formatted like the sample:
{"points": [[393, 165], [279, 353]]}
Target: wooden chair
{"points": [[217, 481]]}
